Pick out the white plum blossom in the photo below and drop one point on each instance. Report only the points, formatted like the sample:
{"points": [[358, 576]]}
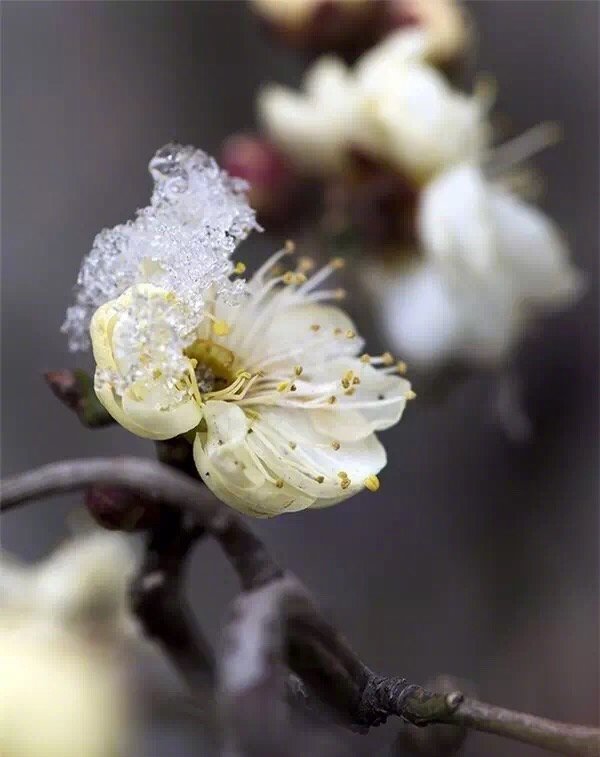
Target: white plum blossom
{"points": [[488, 265], [314, 128], [280, 406], [435, 318], [62, 691], [264, 379], [392, 105]]}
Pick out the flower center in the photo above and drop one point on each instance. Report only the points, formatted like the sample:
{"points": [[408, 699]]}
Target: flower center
{"points": [[213, 365]]}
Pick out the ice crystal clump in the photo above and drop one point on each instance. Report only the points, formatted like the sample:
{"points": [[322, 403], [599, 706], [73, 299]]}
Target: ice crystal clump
{"points": [[182, 241]]}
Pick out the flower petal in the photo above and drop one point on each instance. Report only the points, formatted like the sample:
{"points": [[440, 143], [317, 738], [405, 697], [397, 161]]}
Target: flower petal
{"points": [[142, 416], [231, 469], [532, 246]]}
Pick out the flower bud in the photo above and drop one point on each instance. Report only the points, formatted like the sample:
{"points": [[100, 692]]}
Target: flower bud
{"points": [[318, 26], [444, 22], [120, 510], [273, 181]]}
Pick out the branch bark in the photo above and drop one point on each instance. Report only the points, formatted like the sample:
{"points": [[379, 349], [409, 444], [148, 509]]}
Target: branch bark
{"points": [[158, 600], [271, 599]]}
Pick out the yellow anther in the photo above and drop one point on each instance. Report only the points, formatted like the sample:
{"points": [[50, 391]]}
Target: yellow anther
{"points": [[293, 388], [279, 483], [315, 327], [290, 247], [239, 267], [305, 264], [345, 483], [339, 294], [350, 392], [350, 334], [252, 414], [372, 483], [292, 277], [221, 328], [356, 380], [401, 366], [337, 263], [298, 370], [332, 400], [335, 444], [156, 373], [365, 358], [338, 331], [283, 386], [342, 474], [410, 395], [320, 479], [387, 358], [293, 445]]}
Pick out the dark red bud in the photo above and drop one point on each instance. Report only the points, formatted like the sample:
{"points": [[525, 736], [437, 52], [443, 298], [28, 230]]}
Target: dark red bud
{"points": [[120, 510], [273, 182]]}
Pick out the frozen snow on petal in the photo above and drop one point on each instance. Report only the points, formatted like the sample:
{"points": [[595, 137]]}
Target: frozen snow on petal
{"points": [[181, 242]]}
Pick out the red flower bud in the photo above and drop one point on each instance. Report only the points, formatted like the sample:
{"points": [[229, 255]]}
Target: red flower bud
{"points": [[273, 181], [120, 510]]}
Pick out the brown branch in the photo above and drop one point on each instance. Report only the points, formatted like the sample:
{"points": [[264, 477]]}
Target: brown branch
{"points": [[75, 389], [158, 600], [312, 648]]}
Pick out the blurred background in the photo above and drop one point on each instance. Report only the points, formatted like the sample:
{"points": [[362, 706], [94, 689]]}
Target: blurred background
{"points": [[478, 558]]}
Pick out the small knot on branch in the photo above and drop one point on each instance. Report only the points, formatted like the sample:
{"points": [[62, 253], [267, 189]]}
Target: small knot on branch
{"points": [[383, 696], [378, 699]]}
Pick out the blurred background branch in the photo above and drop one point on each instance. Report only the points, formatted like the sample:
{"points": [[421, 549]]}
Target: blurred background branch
{"points": [[274, 622]]}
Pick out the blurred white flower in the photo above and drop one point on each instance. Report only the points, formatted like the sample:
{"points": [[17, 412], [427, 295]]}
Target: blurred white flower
{"points": [[296, 13], [62, 692], [488, 265], [393, 105], [355, 25], [315, 128], [445, 25], [415, 119], [281, 408], [432, 318]]}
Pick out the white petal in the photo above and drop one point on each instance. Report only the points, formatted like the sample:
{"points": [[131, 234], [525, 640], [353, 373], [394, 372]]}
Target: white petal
{"points": [[142, 416], [300, 452], [423, 125], [376, 403], [292, 335], [231, 470], [532, 247], [279, 462], [312, 129], [455, 220], [420, 320]]}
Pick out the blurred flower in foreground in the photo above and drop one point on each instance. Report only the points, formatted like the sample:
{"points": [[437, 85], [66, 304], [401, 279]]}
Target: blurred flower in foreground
{"points": [[351, 26], [62, 693], [392, 105], [268, 385], [489, 264]]}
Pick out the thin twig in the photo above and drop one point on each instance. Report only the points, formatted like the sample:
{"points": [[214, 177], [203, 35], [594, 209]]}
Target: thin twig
{"points": [[313, 648]]}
